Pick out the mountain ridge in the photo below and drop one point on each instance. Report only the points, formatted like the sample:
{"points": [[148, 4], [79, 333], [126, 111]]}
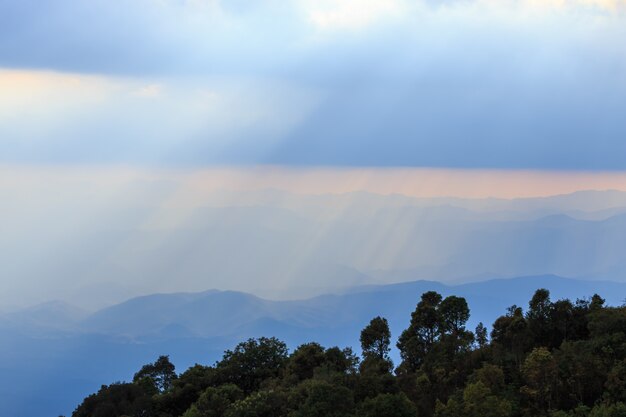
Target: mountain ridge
{"points": [[130, 334]]}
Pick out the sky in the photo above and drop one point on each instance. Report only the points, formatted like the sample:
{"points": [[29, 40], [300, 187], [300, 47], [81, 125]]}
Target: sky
{"points": [[111, 110], [371, 83]]}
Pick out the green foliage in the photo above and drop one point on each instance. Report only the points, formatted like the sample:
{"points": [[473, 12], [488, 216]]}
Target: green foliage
{"points": [[215, 401], [477, 400], [417, 341], [323, 399], [252, 362], [341, 360], [185, 390], [480, 402], [540, 374], [582, 374], [436, 332], [559, 359], [481, 335], [312, 358], [609, 410], [116, 400], [387, 405], [375, 339], [258, 404], [304, 360], [491, 376], [454, 313], [616, 382], [538, 317], [159, 374]]}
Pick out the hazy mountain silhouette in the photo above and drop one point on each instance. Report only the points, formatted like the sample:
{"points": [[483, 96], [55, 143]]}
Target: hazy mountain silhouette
{"points": [[283, 245], [63, 358]]}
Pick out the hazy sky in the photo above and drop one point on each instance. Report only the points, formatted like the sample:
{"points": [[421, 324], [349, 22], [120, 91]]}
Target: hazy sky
{"points": [[472, 84], [116, 114]]}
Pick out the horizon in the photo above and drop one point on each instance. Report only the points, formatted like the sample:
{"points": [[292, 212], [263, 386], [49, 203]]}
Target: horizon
{"points": [[336, 292], [174, 200], [185, 195]]}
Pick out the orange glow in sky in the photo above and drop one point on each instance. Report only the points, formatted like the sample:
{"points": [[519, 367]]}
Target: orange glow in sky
{"points": [[416, 182]]}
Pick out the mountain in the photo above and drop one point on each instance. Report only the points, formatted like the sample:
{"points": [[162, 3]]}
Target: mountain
{"points": [[59, 365], [284, 245], [586, 201], [332, 318], [58, 354], [51, 316], [271, 251]]}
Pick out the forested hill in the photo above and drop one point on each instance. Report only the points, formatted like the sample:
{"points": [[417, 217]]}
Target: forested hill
{"points": [[554, 358]]}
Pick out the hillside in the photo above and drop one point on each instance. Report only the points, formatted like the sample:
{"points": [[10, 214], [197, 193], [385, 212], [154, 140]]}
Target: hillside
{"points": [[111, 343], [555, 358]]}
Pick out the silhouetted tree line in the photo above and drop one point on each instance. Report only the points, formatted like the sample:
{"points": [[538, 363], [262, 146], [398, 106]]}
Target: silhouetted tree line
{"points": [[557, 359]]}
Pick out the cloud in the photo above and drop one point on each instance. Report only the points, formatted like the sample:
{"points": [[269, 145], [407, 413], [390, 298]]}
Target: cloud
{"points": [[149, 91], [351, 14], [57, 118], [484, 83], [169, 37], [601, 5]]}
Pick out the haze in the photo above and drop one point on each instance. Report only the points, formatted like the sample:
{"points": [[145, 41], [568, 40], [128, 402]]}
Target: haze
{"points": [[115, 143]]}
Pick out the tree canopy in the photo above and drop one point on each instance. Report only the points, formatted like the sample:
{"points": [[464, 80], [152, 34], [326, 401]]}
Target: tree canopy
{"points": [[558, 359]]}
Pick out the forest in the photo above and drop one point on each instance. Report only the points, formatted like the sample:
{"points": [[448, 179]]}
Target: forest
{"points": [[555, 358]]}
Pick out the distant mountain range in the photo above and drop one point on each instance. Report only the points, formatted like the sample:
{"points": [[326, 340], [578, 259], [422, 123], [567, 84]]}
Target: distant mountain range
{"points": [[57, 354], [333, 318], [284, 245]]}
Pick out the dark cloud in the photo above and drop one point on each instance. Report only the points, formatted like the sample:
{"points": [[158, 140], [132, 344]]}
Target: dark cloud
{"points": [[495, 123], [440, 88]]}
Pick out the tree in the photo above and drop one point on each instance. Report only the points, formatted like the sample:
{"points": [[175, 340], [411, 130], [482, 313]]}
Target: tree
{"points": [[479, 402], [540, 374], [561, 322], [186, 390], [616, 382], [596, 303], [387, 405], [258, 404], [491, 376], [304, 360], [117, 400], [609, 410], [437, 331], [215, 401], [324, 399], [341, 360], [539, 315], [424, 330], [252, 362], [573, 359], [375, 339], [481, 335], [476, 400], [582, 374], [454, 339], [454, 313], [161, 374], [510, 337]]}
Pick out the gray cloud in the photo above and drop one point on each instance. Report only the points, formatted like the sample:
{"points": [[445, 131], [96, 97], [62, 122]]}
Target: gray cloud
{"points": [[472, 84]]}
